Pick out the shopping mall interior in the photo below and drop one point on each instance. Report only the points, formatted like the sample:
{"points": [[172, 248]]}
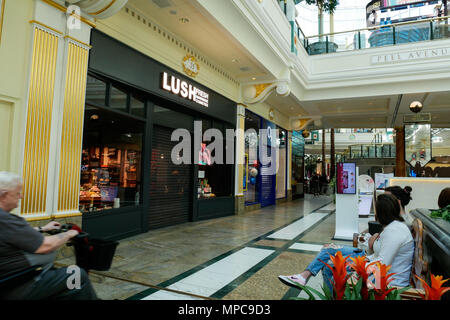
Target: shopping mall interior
{"points": [[154, 126]]}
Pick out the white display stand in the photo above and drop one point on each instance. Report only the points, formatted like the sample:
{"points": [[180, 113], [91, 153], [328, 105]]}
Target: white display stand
{"points": [[347, 218], [366, 187]]}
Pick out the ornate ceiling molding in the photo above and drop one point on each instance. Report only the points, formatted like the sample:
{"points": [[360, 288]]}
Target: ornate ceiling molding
{"points": [[98, 9]]}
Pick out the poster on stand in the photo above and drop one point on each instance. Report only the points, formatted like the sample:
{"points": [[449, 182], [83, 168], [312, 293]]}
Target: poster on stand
{"points": [[346, 178], [366, 187], [382, 180]]}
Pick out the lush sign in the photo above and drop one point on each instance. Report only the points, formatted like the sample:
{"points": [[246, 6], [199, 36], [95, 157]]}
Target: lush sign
{"points": [[184, 89]]}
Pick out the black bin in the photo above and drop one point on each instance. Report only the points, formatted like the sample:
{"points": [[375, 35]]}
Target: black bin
{"points": [[94, 254]]}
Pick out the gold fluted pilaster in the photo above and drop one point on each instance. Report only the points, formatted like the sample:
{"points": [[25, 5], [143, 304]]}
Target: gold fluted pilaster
{"points": [[39, 117], [72, 127]]}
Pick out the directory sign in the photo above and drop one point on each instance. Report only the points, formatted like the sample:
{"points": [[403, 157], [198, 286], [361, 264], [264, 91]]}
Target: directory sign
{"points": [[346, 178]]}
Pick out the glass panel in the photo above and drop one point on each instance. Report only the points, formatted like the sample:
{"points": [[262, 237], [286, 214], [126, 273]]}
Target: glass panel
{"points": [[95, 91], [118, 99], [371, 152], [172, 119], [365, 151], [111, 161], [381, 37], [412, 32], [386, 151], [137, 106], [379, 152], [251, 192]]}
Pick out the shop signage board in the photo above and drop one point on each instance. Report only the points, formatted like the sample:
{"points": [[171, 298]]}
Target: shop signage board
{"points": [[410, 56], [184, 89]]}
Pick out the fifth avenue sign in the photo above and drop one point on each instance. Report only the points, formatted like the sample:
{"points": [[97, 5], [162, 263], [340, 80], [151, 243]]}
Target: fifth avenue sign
{"points": [[410, 56]]}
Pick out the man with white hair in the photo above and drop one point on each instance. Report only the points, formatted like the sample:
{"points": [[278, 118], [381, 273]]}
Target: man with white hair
{"points": [[22, 247]]}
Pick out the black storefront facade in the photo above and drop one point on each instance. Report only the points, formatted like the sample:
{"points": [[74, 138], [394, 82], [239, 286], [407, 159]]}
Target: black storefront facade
{"points": [[129, 182]]}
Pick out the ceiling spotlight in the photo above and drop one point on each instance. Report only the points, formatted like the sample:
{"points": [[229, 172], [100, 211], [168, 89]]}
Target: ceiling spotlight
{"points": [[253, 78], [94, 117], [415, 106]]}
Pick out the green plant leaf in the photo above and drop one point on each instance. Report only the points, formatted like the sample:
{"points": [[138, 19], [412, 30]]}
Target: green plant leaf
{"points": [[348, 292], [309, 291], [327, 292]]}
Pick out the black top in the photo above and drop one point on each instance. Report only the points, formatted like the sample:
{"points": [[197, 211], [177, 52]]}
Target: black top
{"points": [[17, 238]]}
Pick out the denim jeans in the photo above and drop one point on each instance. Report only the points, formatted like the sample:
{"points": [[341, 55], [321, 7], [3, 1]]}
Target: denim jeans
{"points": [[315, 266]]}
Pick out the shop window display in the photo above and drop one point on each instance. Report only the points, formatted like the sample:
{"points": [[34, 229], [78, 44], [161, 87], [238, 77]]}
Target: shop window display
{"points": [[213, 178], [111, 161], [251, 169], [282, 157]]}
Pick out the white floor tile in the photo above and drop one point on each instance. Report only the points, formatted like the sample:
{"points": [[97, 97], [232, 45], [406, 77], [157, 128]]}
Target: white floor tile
{"points": [[167, 295], [294, 229], [216, 276], [306, 246]]}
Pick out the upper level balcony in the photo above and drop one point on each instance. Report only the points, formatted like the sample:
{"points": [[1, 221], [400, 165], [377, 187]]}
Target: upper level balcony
{"points": [[375, 37]]}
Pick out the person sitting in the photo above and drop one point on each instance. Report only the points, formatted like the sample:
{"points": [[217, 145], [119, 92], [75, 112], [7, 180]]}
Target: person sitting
{"points": [[393, 246], [404, 197], [444, 198], [22, 247]]}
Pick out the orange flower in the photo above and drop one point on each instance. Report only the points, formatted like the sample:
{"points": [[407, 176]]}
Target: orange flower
{"points": [[382, 280], [362, 269], [340, 275], [435, 291]]}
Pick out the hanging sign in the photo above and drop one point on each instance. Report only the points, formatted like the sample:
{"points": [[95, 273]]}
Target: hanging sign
{"points": [[183, 89]]}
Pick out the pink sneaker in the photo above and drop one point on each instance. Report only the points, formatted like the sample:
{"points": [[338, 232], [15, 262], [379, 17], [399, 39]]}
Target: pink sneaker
{"points": [[293, 280]]}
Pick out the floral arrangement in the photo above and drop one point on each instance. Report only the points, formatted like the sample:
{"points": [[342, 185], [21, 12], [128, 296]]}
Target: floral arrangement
{"points": [[358, 285]]}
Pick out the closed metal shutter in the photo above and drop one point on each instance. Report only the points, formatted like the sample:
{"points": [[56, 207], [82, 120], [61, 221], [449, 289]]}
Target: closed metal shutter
{"points": [[171, 185]]}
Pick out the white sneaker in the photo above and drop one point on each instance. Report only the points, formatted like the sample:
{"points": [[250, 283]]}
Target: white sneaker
{"points": [[293, 280]]}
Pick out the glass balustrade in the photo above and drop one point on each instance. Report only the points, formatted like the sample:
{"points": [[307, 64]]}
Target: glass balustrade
{"points": [[371, 151], [383, 35]]}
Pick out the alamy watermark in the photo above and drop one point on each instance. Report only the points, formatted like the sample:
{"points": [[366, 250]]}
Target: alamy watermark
{"points": [[263, 146], [74, 280], [73, 20]]}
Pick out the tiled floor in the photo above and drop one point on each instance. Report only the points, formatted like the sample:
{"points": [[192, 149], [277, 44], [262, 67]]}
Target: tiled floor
{"points": [[237, 257]]}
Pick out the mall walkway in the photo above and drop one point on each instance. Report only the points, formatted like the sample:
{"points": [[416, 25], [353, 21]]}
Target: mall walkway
{"points": [[237, 257]]}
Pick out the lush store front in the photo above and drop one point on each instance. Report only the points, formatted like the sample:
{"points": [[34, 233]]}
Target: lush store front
{"points": [[141, 168]]}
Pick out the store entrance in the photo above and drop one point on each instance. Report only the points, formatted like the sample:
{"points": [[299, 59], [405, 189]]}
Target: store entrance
{"points": [[170, 184]]}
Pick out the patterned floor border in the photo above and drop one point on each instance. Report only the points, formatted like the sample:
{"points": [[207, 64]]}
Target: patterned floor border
{"points": [[246, 275]]}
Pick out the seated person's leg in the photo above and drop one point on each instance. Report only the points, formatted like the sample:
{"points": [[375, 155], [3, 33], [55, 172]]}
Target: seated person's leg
{"points": [[54, 284]]}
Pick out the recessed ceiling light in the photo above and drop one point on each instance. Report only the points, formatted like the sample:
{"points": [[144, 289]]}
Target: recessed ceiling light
{"points": [[253, 78], [184, 20]]}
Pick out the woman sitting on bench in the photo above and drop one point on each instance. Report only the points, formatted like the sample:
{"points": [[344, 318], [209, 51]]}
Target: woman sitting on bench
{"points": [[393, 246]]}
